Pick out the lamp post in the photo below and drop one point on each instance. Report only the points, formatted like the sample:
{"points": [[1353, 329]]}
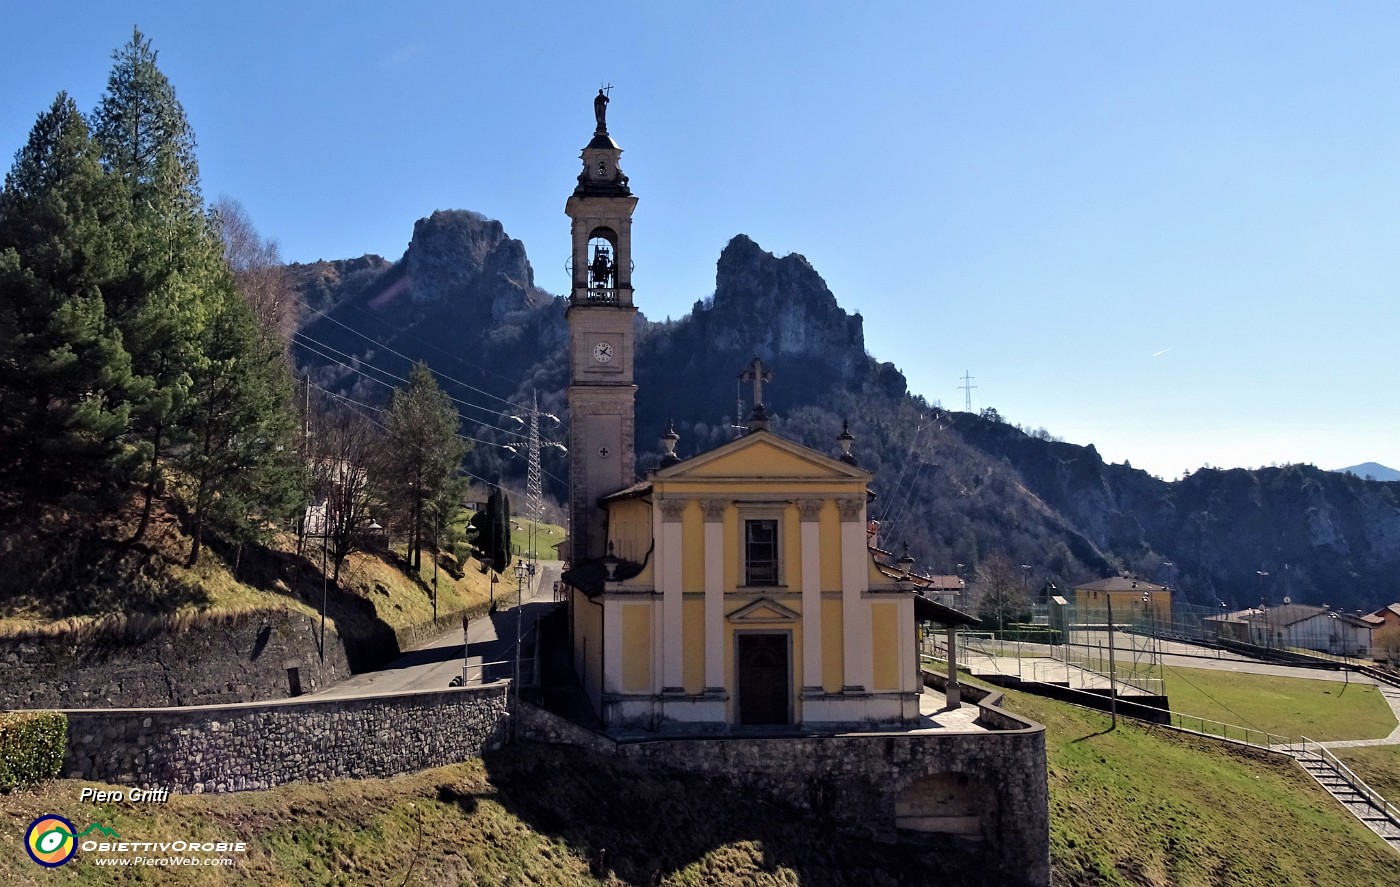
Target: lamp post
{"points": [[519, 601], [1346, 660]]}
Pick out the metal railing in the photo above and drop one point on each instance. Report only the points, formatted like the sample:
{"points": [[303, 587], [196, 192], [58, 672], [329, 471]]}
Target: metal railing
{"points": [[1231, 732], [1307, 746]]}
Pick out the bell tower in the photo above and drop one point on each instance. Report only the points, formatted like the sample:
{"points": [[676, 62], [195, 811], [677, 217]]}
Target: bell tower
{"points": [[601, 339]]}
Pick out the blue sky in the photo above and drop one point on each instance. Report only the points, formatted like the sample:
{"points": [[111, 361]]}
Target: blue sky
{"points": [[1168, 229]]}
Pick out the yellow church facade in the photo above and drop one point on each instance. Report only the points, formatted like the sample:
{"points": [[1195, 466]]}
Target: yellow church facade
{"points": [[739, 590]]}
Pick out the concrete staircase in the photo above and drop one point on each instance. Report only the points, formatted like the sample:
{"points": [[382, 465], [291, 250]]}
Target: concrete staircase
{"points": [[1378, 814]]}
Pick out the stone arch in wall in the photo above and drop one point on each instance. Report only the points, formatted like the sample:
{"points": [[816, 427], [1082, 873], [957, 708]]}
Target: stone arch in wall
{"points": [[949, 804]]}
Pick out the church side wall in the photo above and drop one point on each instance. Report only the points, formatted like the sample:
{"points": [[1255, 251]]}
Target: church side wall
{"points": [[588, 646]]}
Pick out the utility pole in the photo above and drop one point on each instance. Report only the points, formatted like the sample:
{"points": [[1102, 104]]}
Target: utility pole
{"points": [[534, 475], [1112, 669]]}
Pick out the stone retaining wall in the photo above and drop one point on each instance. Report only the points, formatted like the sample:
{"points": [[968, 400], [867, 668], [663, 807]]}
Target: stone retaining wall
{"points": [[240, 658], [221, 748], [861, 780]]}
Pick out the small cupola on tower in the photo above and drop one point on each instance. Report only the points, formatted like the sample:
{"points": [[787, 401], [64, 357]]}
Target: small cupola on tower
{"points": [[601, 263]]}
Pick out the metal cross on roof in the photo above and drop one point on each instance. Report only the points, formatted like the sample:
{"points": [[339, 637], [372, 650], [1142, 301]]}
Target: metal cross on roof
{"points": [[757, 375]]}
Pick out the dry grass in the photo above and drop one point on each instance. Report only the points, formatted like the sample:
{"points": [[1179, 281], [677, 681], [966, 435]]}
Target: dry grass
{"points": [[529, 816]]}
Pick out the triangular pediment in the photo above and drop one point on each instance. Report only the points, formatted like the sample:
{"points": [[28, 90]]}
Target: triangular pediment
{"points": [[764, 611], [765, 455]]}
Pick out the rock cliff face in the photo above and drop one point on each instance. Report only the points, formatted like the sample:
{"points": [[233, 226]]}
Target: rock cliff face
{"points": [[466, 259], [956, 487], [781, 308]]}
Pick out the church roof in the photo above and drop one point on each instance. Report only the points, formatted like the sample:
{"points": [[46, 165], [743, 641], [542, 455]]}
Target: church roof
{"points": [[794, 457], [930, 610]]}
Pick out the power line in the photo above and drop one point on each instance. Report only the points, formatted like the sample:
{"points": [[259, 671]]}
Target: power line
{"points": [[407, 358], [419, 339], [354, 369]]}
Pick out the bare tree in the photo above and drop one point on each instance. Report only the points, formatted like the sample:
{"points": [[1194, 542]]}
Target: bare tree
{"points": [[258, 271], [347, 453], [1000, 598]]}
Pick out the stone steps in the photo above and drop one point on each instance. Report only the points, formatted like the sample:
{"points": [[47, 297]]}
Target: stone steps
{"points": [[1358, 804]]}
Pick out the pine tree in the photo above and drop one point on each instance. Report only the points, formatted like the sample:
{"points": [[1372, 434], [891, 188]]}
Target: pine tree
{"points": [[65, 239], [424, 451], [239, 466], [177, 259]]}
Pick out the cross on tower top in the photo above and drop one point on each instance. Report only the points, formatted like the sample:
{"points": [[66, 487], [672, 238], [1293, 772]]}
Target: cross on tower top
{"points": [[757, 374]]}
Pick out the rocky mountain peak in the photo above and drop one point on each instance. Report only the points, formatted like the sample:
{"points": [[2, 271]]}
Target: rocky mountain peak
{"points": [[467, 260], [782, 305]]}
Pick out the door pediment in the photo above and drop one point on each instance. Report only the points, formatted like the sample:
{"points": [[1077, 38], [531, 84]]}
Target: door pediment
{"points": [[764, 611]]}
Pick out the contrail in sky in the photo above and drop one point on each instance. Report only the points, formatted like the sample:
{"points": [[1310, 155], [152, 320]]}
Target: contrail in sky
{"points": [[1164, 351]]}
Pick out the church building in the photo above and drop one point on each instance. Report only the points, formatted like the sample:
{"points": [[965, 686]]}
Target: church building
{"points": [[734, 588]]}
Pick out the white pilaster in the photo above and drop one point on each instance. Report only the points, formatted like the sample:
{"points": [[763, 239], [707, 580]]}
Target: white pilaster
{"points": [[810, 511], [714, 595], [858, 657], [672, 615]]}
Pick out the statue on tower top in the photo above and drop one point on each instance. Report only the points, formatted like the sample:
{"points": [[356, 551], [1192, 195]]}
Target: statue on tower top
{"points": [[600, 108]]}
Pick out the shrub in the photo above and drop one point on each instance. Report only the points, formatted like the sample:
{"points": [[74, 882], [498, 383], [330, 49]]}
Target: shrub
{"points": [[31, 747]]}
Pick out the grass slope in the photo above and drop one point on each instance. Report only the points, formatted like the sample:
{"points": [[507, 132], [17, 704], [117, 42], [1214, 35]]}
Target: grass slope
{"points": [[1133, 806], [1378, 766], [1147, 806], [530, 816], [1290, 707], [109, 581]]}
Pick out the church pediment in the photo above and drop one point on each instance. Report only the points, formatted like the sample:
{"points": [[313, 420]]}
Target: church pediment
{"points": [[762, 454], [764, 611]]}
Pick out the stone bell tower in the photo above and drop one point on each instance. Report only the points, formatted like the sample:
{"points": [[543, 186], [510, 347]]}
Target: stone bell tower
{"points": [[601, 339]]}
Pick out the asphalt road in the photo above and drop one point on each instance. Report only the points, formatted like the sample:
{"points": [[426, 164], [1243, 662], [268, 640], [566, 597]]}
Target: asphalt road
{"points": [[433, 664]]}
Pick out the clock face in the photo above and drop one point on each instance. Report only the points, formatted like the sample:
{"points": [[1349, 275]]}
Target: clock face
{"points": [[603, 352]]}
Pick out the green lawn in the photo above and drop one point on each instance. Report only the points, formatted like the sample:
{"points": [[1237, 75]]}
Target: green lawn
{"points": [[546, 537], [1289, 707], [1147, 806]]}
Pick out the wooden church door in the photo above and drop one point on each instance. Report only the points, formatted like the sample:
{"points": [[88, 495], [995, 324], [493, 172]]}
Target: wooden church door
{"points": [[763, 678]]}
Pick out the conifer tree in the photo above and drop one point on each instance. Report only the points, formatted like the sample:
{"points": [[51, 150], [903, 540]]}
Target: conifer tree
{"points": [[165, 305], [239, 465], [65, 239], [424, 452]]}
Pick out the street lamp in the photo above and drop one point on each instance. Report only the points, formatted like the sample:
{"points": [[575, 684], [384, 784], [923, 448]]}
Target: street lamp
{"points": [[520, 571], [1346, 660]]}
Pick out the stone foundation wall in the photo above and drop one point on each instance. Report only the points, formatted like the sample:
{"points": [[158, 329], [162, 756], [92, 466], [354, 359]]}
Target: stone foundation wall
{"points": [[239, 659], [260, 745], [860, 780]]}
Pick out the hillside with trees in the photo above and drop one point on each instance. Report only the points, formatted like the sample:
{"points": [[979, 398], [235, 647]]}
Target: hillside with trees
{"points": [[151, 430]]}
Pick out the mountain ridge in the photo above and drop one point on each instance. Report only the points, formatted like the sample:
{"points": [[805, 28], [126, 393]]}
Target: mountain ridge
{"points": [[956, 487]]}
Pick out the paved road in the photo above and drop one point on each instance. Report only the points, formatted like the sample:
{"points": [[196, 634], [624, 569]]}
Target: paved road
{"points": [[433, 664]]}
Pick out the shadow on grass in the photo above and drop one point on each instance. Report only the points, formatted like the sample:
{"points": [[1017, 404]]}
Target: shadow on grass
{"points": [[1087, 736], [641, 827]]}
